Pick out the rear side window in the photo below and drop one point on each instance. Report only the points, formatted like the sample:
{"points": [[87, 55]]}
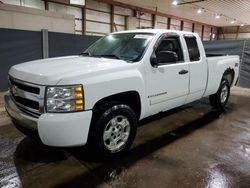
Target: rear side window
{"points": [[193, 49]]}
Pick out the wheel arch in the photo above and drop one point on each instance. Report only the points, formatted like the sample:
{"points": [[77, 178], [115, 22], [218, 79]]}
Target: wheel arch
{"points": [[130, 98], [229, 75]]}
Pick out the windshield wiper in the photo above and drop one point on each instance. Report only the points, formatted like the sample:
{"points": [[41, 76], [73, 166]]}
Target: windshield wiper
{"points": [[113, 56], [85, 53], [109, 56]]}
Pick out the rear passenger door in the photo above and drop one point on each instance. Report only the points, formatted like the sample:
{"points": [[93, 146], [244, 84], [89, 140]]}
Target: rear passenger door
{"points": [[197, 68]]}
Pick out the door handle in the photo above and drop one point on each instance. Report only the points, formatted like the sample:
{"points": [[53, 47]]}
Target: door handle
{"points": [[183, 72]]}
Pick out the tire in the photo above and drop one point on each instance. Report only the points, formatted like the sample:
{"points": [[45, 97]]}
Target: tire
{"points": [[113, 130], [219, 99]]}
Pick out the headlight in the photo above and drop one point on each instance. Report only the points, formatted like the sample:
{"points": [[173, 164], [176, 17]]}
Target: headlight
{"points": [[64, 98]]}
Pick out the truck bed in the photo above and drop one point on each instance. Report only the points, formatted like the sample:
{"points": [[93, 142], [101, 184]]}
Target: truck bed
{"points": [[216, 64]]}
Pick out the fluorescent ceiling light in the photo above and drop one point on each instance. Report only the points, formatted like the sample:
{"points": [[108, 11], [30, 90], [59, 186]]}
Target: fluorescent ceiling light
{"points": [[199, 11], [232, 22], [217, 16], [242, 25], [174, 3]]}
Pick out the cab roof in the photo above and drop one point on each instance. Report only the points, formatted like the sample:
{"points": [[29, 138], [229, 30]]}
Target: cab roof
{"points": [[154, 31]]}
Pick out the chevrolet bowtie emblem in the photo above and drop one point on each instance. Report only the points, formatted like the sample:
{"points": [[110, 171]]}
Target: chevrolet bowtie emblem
{"points": [[14, 90]]}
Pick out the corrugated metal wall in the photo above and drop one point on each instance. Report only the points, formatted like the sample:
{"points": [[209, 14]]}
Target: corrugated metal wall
{"points": [[233, 47], [18, 46]]}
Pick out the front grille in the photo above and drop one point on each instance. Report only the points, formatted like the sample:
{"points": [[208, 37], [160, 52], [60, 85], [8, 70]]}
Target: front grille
{"points": [[27, 102], [27, 96], [24, 87]]}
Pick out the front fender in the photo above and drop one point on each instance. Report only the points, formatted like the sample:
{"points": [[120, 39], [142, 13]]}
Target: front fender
{"points": [[99, 87]]}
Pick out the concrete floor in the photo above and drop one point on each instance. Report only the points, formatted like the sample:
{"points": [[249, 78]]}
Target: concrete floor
{"points": [[193, 146]]}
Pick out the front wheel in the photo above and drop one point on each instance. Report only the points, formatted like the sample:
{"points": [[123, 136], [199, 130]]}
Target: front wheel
{"points": [[114, 130], [219, 99]]}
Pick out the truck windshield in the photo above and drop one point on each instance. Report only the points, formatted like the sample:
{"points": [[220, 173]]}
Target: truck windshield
{"points": [[125, 46]]}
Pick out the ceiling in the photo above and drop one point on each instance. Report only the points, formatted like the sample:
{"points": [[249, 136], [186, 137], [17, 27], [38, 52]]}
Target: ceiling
{"points": [[229, 10]]}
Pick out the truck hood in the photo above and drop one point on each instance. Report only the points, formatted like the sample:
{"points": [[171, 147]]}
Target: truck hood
{"points": [[51, 71]]}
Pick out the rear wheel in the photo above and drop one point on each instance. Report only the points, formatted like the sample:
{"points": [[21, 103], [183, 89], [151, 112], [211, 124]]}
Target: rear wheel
{"points": [[219, 99], [113, 130]]}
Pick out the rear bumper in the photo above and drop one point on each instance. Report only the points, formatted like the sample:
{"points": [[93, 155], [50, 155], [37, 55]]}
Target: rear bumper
{"points": [[54, 129]]}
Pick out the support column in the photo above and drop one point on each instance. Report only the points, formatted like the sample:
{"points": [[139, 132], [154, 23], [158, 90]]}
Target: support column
{"points": [[169, 23], [202, 32], [84, 20], [112, 18], [45, 43], [182, 25], [46, 4], [193, 26], [211, 35]]}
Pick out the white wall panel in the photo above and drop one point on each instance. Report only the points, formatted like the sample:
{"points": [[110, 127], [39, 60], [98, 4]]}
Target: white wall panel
{"points": [[78, 33], [198, 29], [97, 27], [207, 32], [187, 26], [78, 25], [119, 19], [95, 34], [206, 37], [145, 24], [229, 36], [14, 17], [34, 4], [244, 36], [160, 26], [11, 2], [145, 20], [123, 11], [99, 12], [77, 12], [146, 16], [97, 16], [120, 28], [161, 22], [97, 5], [175, 24], [162, 19]]}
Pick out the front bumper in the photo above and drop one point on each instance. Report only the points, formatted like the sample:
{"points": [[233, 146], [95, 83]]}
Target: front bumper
{"points": [[54, 129]]}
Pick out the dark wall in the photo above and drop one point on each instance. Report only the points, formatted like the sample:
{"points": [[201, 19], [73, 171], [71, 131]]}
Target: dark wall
{"points": [[245, 66], [233, 47], [18, 46], [61, 44]]}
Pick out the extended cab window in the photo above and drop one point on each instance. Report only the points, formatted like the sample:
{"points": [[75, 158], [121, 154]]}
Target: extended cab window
{"points": [[170, 45], [193, 50]]}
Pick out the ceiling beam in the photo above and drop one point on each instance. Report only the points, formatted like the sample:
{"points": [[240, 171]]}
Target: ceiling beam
{"points": [[191, 2]]}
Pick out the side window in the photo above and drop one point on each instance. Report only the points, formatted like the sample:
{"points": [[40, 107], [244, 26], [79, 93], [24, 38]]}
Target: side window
{"points": [[171, 45], [193, 49]]}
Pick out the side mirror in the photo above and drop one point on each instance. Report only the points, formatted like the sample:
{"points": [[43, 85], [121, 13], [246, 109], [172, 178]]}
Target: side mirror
{"points": [[153, 60], [166, 57], [163, 57]]}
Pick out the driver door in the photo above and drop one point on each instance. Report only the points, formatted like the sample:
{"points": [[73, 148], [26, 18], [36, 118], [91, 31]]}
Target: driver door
{"points": [[168, 82]]}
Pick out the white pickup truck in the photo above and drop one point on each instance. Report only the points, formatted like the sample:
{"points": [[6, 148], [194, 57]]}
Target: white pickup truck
{"points": [[97, 97]]}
